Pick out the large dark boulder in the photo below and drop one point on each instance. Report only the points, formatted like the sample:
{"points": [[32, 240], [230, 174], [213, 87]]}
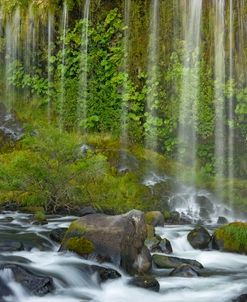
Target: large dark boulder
{"points": [[222, 220], [117, 239], [162, 261], [34, 284], [146, 282], [242, 298], [199, 238], [185, 271]]}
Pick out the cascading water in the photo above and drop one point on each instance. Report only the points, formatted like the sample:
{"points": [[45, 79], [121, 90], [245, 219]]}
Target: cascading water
{"points": [[125, 93], [30, 41], [12, 28], [152, 101], [231, 105], [190, 87], [50, 43], [220, 76], [64, 26], [82, 105]]}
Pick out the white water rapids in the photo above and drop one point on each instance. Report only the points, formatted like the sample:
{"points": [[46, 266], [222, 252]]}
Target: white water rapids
{"points": [[224, 274]]}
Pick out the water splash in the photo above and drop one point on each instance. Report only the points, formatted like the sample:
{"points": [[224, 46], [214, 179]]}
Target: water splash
{"points": [[219, 93], [64, 25], [82, 105], [50, 41], [190, 88], [152, 101]]}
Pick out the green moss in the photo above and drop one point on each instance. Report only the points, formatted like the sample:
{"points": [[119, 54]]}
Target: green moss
{"points": [[150, 231], [82, 246], [40, 216], [233, 236], [167, 215]]}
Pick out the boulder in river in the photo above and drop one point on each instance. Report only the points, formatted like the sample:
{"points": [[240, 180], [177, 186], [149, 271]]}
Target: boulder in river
{"points": [[222, 220], [184, 270], [118, 239], [146, 282], [199, 238], [163, 261], [34, 284], [155, 218], [231, 238]]}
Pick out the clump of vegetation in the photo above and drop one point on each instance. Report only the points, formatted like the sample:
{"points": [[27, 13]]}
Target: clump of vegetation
{"points": [[40, 217], [233, 237]]}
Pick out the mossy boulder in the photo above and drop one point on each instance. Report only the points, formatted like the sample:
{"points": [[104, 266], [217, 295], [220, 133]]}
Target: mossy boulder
{"points": [[155, 218], [117, 239], [199, 238], [146, 282], [150, 231], [162, 261], [231, 238]]}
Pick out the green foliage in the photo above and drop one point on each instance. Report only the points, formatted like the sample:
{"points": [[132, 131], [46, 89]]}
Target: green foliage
{"points": [[233, 236]]}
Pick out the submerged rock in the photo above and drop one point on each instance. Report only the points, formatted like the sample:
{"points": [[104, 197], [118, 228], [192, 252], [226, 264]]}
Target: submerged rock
{"points": [[155, 218], [162, 261], [199, 238], [231, 238], [146, 282], [5, 291], [117, 239], [11, 246], [57, 235], [185, 271], [104, 273], [34, 284], [242, 298]]}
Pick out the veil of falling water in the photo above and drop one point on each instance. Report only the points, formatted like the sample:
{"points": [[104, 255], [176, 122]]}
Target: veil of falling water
{"points": [[64, 25], [152, 101], [13, 26], [125, 93], [50, 41], [219, 92], [30, 41], [231, 105], [82, 104], [190, 87]]}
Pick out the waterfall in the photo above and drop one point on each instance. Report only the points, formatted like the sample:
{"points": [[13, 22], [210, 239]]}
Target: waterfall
{"points": [[231, 106], [152, 101], [190, 87], [50, 41], [125, 92], [12, 37], [82, 106], [64, 33], [30, 41], [219, 92]]}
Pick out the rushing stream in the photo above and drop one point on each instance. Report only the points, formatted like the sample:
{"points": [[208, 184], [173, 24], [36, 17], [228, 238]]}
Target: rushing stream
{"points": [[224, 275]]}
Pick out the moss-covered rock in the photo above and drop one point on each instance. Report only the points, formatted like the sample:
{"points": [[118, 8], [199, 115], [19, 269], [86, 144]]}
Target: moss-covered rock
{"points": [[231, 238], [117, 239], [162, 261], [150, 231], [82, 246], [154, 218]]}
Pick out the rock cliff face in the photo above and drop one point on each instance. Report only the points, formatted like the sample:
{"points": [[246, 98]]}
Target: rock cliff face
{"points": [[10, 128], [117, 239]]}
